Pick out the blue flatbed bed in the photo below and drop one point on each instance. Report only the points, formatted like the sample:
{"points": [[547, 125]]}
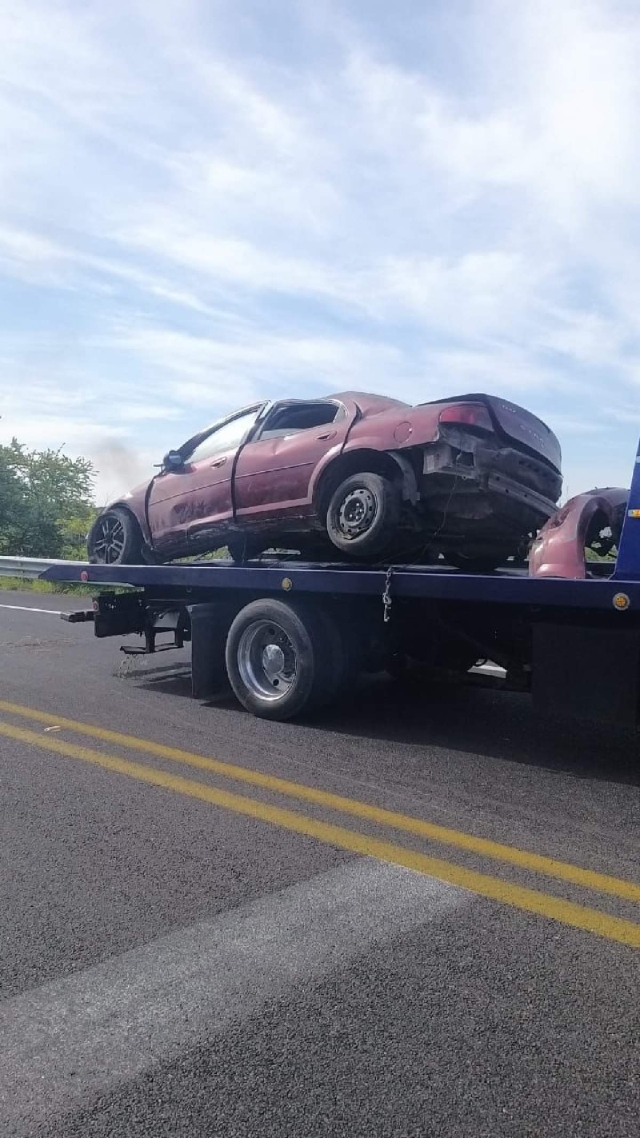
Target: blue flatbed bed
{"points": [[504, 586]]}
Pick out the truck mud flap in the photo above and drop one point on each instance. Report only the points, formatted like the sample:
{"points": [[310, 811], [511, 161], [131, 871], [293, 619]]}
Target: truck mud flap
{"points": [[210, 622]]}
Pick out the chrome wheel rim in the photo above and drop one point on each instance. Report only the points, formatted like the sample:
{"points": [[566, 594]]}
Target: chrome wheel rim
{"points": [[357, 513], [267, 660], [110, 539]]}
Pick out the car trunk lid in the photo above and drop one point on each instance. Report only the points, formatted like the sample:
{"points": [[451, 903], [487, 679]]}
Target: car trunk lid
{"points": [[518, 425], [527, 429]]}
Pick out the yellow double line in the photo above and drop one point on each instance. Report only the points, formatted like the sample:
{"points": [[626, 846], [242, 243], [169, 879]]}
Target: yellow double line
{"points": [[530, 900]]}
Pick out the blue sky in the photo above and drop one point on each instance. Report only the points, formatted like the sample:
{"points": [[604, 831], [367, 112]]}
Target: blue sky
{"points": [[206, 202]]}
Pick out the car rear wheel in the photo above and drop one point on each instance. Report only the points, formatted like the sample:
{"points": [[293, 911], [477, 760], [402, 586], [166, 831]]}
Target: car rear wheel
{"points": [[364, 515], [283, 658], [115, 539]]}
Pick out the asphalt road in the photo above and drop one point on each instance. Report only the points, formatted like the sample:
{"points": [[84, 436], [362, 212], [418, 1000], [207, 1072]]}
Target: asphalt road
{"points": [[210, 926]]}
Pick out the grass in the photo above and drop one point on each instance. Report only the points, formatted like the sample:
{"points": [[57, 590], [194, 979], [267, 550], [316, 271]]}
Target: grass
{"points": [[17, 584]]}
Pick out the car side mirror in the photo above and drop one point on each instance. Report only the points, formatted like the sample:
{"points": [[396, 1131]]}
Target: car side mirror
{"points": [[173, 460]]}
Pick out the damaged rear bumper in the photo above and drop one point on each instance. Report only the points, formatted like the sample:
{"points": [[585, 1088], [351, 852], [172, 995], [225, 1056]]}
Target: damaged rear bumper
{"points": [[485, 483]]}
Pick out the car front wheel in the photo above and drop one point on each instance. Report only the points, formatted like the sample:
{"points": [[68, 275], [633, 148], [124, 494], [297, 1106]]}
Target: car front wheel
{"points": [[364, 515], [115, 539]]}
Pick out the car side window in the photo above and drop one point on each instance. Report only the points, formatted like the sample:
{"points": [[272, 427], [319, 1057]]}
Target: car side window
{"points": [[223, 438], [295, 417]]}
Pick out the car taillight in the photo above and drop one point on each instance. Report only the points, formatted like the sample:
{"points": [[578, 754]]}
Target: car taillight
{"points": [[467, 415]]}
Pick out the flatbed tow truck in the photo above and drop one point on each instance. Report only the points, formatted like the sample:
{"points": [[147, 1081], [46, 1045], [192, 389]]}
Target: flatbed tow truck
{"points": [[290, 636]]}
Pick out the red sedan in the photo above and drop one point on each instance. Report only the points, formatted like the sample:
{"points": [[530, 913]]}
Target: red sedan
{"points": [[472, 477]]}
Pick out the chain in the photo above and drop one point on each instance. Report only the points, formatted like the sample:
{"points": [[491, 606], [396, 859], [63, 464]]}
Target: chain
{"points": [[386, 596]]}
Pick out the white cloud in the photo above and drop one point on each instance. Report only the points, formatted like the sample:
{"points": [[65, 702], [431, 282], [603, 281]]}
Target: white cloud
{"points": [[199, 205], [267, 363]]}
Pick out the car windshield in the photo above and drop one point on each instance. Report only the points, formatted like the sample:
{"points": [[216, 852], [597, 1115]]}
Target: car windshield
{"points": [[222, 437]]}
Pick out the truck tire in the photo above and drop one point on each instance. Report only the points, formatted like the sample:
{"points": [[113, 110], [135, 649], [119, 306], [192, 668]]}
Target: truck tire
{"points": [[283, 658], [115, 539], [364, 514]]}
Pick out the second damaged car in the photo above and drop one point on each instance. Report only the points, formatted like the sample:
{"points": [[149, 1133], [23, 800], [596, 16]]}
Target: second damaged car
{"points": [[471, 478]]}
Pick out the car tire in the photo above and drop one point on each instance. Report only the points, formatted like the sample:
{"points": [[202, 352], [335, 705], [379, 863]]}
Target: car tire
{"points": [[363, 515], [283, 658], [115, 539]]}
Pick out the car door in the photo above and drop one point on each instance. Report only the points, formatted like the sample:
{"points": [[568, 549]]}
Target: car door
{"points": [[275, 468], [191, 504]]}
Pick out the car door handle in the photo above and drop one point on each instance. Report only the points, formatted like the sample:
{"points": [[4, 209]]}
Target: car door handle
{"points": [[328, 435], [219, 461]]}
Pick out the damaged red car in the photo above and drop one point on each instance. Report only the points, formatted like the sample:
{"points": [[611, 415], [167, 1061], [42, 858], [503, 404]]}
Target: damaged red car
{"points": [[362, 476]]}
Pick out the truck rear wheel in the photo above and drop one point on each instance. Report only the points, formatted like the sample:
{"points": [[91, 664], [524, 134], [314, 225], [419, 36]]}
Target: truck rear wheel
{"points": [[283, 658]]}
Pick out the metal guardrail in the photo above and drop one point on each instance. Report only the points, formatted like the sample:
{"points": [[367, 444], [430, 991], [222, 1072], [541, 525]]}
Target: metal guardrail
{"points": [[29, 568]]}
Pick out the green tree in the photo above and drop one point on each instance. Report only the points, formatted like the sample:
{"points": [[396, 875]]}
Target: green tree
{"points": [[46, 502], [11, 501]]}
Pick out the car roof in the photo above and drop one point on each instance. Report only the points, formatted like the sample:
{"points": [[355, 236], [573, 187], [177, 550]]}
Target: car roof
{"points": [[369, 403]]}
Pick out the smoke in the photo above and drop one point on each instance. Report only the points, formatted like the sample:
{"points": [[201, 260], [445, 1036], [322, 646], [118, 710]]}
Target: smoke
{"points": [[119, 467]]}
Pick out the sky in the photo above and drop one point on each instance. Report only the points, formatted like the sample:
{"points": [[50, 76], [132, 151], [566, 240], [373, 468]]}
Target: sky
{"points": [[207, 202]]}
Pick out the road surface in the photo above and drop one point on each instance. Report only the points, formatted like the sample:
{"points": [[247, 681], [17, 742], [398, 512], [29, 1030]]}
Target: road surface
{"points": [[411, 915]]}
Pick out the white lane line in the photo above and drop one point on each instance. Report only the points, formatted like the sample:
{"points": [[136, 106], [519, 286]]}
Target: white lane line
{"points": [[29, 608], [72, 1038]]}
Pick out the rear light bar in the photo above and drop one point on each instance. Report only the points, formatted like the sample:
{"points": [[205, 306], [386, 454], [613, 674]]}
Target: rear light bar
{"points": [[468, 415]]}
